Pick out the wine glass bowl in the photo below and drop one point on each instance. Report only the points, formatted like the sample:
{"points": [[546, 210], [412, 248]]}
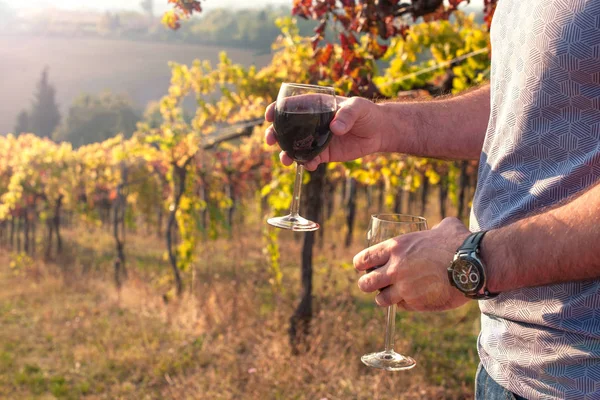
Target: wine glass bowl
{"points": [[302, 117], [302, 121], [381, 228]]}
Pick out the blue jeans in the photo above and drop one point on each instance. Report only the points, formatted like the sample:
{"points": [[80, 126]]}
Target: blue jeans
{"points": [[487, 389]]}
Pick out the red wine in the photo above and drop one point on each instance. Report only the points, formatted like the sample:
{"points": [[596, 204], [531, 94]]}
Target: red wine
{"points": [[303, 134]]}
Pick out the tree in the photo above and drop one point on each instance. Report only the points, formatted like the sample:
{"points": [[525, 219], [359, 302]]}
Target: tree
{"points": [[148, 7], [94, 118], [22, 123], [45, 115]]}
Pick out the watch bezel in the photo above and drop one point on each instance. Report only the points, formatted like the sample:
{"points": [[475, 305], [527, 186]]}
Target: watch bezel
{"points": [[478, 266]]}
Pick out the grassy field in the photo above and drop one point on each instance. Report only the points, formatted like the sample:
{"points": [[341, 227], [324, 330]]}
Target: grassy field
{"points": [[77, 65], [67, 332]]}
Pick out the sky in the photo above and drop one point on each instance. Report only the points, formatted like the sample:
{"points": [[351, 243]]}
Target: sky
{"points": [[161, 5]]}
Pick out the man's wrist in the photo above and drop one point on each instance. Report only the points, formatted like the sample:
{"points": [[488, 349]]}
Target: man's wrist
{"points": [[398, 128], [496, 256]]}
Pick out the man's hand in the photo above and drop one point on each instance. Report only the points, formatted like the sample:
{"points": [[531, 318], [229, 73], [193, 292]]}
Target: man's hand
{"points": [[452, 128], [414, 268], [356, 128]]}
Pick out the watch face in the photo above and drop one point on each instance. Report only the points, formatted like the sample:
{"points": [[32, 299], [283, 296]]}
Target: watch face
{"points": [[466, 275]]}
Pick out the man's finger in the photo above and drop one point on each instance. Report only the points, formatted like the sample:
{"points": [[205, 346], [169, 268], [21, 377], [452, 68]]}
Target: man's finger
{"points": [[376, 280], [388, 296], [372, 257], [270, 112], [270, 136], [285, 159], [313, 164]]}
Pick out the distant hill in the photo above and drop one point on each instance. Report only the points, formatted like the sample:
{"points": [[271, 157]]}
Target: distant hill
{"points": [[138, 69], [247, 28]]}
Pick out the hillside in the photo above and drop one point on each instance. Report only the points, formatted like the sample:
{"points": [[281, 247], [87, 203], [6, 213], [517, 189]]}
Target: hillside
{"points": [[139, 69]]}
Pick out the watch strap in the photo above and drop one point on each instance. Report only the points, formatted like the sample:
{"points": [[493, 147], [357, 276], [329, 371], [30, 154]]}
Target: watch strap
{"points": [[472, 242]]}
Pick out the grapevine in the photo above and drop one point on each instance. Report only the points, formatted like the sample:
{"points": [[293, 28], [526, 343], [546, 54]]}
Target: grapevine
{"points": [[173, 178]]}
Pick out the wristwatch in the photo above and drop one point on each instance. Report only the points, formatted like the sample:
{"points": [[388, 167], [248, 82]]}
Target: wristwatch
{"points": [[467, 271]]}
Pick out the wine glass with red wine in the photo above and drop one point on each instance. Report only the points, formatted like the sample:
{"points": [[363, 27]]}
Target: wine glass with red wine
{"points": [[302, 117]]}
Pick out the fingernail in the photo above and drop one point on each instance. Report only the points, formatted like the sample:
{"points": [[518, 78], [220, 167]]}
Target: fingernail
{"points": [[338, 126]]}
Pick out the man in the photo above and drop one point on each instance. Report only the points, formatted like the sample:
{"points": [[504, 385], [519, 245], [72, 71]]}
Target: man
{"points": [[536, 131]]}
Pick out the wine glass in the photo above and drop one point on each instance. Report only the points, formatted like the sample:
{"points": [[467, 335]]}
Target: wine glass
{"points": [[381, 228], [302, 117]]}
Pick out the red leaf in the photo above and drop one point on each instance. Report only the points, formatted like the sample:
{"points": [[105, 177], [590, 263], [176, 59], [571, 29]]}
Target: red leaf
{"points": [[344, 41], [390, 28], [382, 50], [489, 8], [187, 7], [352, 40], [404, 31], [345, 21], [323, 56], [336, 70], [302, 8], [320, 10], [455, 3], [315, 40], [438, 14], [362, 24], [321, 27], [347, 56], [424, 7]]}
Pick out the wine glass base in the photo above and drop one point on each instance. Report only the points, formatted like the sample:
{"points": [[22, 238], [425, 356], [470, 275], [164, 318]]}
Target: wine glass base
{"points": [[293, 223], [388, 360]]}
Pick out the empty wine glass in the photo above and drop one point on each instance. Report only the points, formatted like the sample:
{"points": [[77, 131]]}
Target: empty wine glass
{"points": [[381, 228]]}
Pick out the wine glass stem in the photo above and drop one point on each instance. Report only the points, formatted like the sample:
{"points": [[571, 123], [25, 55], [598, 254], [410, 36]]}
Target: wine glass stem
{"points": [[295, 209], [390, 328]]}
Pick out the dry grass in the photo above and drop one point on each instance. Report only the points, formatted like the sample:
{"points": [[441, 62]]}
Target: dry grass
{"points": [[67, 333]]}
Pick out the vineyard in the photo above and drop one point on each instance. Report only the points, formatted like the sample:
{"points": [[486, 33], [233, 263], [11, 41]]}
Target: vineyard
{"points": [[182, 200]]}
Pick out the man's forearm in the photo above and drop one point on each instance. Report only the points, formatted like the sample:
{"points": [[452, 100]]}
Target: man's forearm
{"points": [[559, 245], [451, 128]]}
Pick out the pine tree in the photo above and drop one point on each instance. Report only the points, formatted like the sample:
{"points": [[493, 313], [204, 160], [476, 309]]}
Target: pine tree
{"points": [[148, 7], [45, 115], [22, 123]]}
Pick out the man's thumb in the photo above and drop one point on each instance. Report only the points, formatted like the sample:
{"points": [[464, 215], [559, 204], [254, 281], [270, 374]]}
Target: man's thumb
{"points": [[347, 115]]}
